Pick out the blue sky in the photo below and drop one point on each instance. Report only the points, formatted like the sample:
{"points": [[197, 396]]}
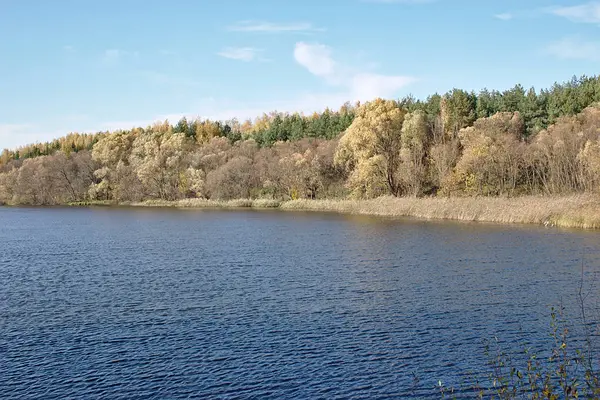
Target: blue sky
{"points": [[70, 65]]}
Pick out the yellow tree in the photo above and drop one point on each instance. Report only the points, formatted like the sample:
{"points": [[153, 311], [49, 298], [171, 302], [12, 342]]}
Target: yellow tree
{"points": [[562, 162], [415, 138], [370, 148], [113, 175], [8, 185], [159, 160], [261, 123], [6, 156], [492, 159], [206, 130]]}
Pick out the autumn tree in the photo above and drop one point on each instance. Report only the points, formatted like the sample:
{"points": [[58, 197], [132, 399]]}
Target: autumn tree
{"points": [[233, 180], [302, 169], [206, 130], [559, 157], [415, 141], [159, 161], [370, 148], [34, 183], [492, 157], [73, 173], [115, 179], [443, 157], [491, 143], [589, 158], [8, 185]]}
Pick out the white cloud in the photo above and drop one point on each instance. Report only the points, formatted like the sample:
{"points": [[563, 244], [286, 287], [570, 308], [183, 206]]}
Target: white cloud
{"points": [[367, 86], [504, 16], [68, 48], [271, 27], [315, 57], [240, 53], [584, 13], [355, 84], [362, 86], [574, 48], [342, 83]]}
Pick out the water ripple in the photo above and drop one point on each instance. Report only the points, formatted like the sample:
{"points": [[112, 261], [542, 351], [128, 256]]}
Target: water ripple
{"points": [[137, 304]]}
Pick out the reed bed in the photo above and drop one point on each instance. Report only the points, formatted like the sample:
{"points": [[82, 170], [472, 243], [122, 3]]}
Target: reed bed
{"points": [[204, 203], [575, 211]]}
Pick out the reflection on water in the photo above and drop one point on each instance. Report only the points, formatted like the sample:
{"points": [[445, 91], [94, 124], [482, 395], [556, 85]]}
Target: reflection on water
{"points": [[125, 303]]}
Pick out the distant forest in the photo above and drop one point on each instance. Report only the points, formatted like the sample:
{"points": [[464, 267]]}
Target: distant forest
{"points": [[461, 143]]}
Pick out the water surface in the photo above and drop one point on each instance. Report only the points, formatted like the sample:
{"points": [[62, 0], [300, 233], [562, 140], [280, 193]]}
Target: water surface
{"points": [[142, 303]]}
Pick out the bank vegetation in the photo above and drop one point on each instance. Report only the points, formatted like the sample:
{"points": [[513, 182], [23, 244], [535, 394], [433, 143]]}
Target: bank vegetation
{"points": [[513, 156]]}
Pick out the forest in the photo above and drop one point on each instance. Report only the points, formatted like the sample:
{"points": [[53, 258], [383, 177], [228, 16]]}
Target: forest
{"points": [[491, 143]]}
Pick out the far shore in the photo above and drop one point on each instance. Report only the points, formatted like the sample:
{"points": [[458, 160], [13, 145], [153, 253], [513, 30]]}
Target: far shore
{"points": [[575, 211]]}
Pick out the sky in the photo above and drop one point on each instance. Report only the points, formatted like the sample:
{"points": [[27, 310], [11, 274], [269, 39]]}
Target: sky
{"points": [[87, 66]]}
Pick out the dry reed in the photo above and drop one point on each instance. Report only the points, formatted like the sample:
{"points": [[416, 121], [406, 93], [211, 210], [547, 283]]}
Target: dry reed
{"points": [[204, 203], [575, 211]]}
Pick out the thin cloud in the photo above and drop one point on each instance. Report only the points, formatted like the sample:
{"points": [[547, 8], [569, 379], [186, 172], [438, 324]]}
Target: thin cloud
{"points": [[588, 13], [504, 16], [15, 135], [111, 56], [355, 84], [367, 86], [315, 57], [342, 83], [246, 54], [271, 27], [115, 56], [348, 83], [223, 109], [574, 48]]}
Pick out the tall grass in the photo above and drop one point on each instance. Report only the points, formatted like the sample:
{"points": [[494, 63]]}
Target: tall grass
{"points": [[575, 211], [204, 203]]}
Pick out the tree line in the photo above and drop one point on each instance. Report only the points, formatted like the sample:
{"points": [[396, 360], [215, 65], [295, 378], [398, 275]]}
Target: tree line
{"points": [[457, 144]]}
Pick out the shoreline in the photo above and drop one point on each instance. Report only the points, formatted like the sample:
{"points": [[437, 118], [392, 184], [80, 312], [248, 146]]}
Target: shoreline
{"points": [[574, 211]]}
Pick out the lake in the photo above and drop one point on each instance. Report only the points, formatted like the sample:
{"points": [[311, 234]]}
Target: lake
{"points": [[141, 303]]}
